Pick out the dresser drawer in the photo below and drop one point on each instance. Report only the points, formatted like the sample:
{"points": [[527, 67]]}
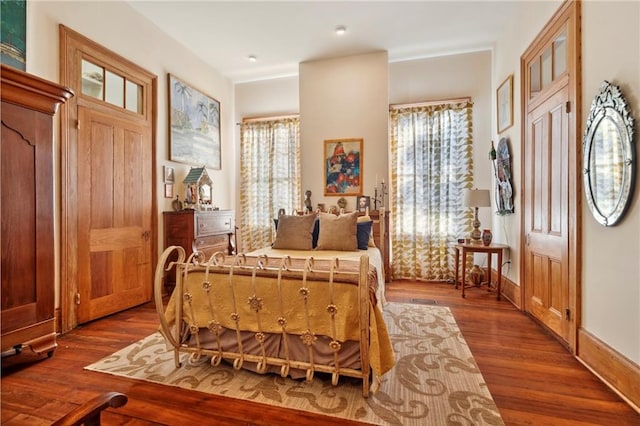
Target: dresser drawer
{"points": [[212, 244], [208, 224]]}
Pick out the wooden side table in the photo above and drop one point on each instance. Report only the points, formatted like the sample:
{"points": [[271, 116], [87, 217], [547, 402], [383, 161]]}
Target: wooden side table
{"points": [[464, 249]]}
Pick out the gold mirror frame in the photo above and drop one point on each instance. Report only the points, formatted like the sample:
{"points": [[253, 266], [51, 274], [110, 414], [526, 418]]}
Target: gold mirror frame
{"points": [[609, 156]]}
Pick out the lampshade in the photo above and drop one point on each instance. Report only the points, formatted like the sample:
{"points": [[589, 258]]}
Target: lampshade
{"points": [[476, 198]]}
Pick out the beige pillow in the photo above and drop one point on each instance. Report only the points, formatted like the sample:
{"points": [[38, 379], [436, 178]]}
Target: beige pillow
{"points": [[367, 218], [338, 232], [295, 232]]}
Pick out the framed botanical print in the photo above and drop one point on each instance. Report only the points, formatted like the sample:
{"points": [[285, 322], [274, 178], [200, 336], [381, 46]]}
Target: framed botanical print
{"points": [[504, 102], [343, 167]]}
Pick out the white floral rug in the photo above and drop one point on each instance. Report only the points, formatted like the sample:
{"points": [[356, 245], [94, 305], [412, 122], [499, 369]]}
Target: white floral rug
{"points": [[435, 380]]}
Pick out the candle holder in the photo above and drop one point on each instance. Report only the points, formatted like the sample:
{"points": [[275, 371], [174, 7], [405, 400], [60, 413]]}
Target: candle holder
{"points": [[378, 197]]}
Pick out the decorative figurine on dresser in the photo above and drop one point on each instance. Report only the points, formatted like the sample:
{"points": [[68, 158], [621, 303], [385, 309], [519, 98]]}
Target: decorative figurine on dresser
{"points": [[29, 104], [198, 189]]}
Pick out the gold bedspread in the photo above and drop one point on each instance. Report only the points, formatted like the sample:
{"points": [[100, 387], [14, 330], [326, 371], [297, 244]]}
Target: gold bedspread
{"points": [[276, 299]]}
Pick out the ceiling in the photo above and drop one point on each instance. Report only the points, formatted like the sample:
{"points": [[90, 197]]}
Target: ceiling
{"points": [[283, 34]]}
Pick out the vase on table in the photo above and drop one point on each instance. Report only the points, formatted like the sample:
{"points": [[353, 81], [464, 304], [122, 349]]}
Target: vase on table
{"points": [[486, 237]]}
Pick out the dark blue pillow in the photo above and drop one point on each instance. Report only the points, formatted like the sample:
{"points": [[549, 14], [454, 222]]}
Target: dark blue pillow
{"points": [[364, 231], [315, 233]]}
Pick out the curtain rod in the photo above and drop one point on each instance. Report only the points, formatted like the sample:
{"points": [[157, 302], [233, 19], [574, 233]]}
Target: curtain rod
{"points": [[430, 103], [277, 117]]}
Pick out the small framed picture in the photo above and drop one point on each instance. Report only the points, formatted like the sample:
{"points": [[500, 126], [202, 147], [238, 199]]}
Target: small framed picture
{"points": [[169, 175], [168, 190], [504, 102], [363, 203]]}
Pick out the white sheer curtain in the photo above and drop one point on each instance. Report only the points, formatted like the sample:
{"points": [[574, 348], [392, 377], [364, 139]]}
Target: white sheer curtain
{"points": [[431, 163], [270, 176]]}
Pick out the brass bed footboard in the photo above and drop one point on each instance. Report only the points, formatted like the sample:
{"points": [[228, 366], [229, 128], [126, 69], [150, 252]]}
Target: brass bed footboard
{"points": [[295, 301]]}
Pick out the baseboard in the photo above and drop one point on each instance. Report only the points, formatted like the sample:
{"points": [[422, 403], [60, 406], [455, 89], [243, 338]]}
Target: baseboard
{"points": [[509, 289], [614, 369]]}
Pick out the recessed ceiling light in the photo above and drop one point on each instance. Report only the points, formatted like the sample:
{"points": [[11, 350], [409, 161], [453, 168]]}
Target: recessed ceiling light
{"points": [[341, 29], [252, 58]]}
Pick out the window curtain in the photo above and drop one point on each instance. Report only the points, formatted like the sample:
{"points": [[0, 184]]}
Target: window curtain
{"points": [[431, 163], [270, 176]]}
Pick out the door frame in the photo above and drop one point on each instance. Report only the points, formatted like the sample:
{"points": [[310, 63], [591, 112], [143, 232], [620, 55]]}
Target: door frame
{"points": [[569, 14], [72, 45]]}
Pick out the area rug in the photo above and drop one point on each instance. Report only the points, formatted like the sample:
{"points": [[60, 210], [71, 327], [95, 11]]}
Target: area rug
{"points": [[435, 380]]}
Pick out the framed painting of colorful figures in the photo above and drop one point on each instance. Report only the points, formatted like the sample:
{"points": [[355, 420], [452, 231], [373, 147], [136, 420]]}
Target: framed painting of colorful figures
{"points": [[343, 167]]}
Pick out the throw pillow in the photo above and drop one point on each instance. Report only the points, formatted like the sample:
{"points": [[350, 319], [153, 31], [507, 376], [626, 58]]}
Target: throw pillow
{"points": [[338, 232], [367, 218], [364, 232], [314, 234], [295, 232]]}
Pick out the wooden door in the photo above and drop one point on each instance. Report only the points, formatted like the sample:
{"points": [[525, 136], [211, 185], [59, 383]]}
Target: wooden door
{"points": [[546, 214], [108, 201], [114, 226], [551, 182]]}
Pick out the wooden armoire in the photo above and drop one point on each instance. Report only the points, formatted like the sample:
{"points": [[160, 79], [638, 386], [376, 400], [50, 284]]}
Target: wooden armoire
{"points": [[29, 104]]}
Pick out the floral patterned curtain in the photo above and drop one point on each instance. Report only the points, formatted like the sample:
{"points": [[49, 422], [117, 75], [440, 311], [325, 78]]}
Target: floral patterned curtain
{"points": [[431, 163], [270, 176]]}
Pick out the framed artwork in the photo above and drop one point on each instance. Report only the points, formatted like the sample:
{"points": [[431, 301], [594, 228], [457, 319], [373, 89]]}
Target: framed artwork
{"points": [[343, 167], [363, 203], [169, 175], [504, 102], [168, 190], [194, 126], [13, 33]]}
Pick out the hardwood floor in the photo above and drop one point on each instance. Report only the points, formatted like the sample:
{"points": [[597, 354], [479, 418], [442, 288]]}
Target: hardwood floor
{"points": [[532, 378]]}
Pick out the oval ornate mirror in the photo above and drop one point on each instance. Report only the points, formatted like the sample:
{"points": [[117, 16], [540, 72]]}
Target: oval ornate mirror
{"points": [[609, 155]]}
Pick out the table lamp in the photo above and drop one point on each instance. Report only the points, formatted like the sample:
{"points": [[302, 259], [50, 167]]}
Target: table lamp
{"points": [[476, 198]]}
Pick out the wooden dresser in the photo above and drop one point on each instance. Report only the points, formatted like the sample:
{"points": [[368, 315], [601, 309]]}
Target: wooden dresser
{"points": [[204, 231], [29, 104]]}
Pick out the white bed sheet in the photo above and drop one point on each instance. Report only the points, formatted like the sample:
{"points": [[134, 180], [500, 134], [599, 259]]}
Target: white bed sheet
{"points": [[375, 259]]}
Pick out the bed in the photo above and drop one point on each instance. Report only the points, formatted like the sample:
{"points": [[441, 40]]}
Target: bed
{"points": [[289, 309]]}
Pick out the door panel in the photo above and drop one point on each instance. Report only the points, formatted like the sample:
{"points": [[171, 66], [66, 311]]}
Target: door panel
{"points": [[546, 217], [114, 224], [551, 178]]}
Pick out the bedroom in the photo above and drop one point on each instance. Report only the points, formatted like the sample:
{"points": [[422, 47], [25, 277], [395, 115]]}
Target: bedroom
{"points": [[610, 271]]}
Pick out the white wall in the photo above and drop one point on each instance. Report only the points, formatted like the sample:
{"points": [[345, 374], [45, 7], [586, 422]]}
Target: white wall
{"points": [[408, 81], [610, 256], [344, 98], [528, 21], [265, 98], [118, 27], [452, 77]]}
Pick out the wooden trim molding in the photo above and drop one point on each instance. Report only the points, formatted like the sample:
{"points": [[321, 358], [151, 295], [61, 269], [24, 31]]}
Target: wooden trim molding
{"points": [[614, 369], [510, 290]]}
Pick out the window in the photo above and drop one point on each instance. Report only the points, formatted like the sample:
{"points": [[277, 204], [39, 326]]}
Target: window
{"points": [[549, 66], [105, 85], [431, 165], [270, 176]]}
